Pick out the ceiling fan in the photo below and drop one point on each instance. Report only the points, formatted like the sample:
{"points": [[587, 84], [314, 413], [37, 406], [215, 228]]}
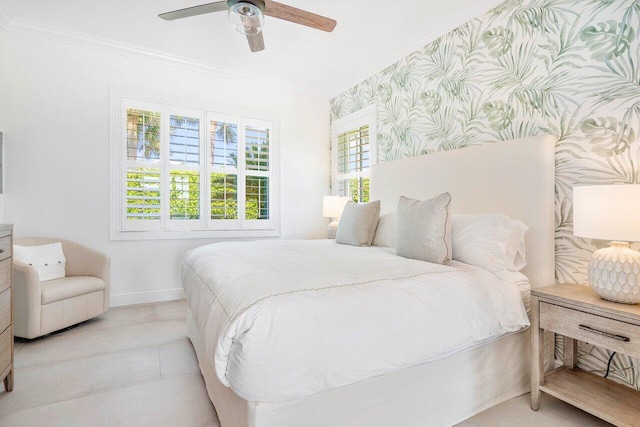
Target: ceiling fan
{"points": [[248, 17]]}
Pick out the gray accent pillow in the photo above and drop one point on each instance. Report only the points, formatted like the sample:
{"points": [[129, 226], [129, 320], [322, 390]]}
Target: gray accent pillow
{"points": [[358, 223], [423, 229]]}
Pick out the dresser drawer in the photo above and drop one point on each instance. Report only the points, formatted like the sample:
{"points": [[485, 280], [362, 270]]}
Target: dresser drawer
{"points": [[5, 247], [5, 274], [5, 349], [5, 309], [601, 331]]}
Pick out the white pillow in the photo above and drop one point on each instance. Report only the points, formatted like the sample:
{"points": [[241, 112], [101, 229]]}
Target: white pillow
{"points": [[48, 260], [423, 229], [492, 241], [358, 223]]}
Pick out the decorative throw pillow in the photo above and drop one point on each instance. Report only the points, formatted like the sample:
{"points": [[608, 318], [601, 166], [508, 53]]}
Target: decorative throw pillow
{"points": [[48, 260], [423, 229], [358, 223], [493, 241]]}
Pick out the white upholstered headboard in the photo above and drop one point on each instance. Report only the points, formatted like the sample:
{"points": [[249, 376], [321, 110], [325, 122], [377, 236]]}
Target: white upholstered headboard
{"points": [[512, 177]]}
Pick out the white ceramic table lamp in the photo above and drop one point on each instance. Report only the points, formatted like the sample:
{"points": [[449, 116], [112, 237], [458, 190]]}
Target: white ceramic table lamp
{"points": [[610, 212], [332, 207]]}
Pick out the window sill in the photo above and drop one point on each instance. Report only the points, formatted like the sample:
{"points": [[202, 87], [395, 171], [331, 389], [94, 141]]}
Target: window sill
{"points": [[195, 234]]}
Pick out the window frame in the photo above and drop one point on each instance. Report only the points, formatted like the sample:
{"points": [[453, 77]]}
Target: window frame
{"points": [[365, 116], [204, 227]]}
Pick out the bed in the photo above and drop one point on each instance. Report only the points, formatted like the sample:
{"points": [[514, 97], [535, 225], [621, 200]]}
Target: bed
{"points": [[363, 356]]}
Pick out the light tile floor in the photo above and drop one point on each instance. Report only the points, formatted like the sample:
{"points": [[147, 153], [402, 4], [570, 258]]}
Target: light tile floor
{"points": [[134, 366]]}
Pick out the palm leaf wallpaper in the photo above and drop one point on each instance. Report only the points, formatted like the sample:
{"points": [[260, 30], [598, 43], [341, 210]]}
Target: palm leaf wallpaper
{"points": [[570, 68]]}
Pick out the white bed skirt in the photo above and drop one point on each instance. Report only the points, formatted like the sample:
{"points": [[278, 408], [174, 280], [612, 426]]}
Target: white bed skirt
{"points": [[439, 393]]}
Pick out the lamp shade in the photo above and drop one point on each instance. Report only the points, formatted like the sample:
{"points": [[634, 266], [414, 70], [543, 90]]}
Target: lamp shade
{"points": [[607, 212], [332, 206]]}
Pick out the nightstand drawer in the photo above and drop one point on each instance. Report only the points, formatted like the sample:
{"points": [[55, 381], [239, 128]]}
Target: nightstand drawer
{"points": [[612, 334], [5, 309], [5, 274], [5, 247]]}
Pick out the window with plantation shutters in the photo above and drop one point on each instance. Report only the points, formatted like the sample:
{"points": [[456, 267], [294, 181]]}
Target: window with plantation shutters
{"points": [[184, 169], [257, 167], [189, 172], [353, 148], [142, 192]]}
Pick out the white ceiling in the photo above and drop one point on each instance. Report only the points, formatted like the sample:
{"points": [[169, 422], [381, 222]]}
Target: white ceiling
{"points": [[370, 34]]}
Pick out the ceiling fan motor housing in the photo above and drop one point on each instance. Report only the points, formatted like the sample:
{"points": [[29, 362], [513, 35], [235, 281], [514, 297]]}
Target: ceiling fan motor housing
{"points": [[246, 17], [258, 3]]}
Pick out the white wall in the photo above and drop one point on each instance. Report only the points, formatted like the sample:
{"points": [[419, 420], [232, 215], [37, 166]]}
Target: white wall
{"points": [[55, 109], [2, 101]]}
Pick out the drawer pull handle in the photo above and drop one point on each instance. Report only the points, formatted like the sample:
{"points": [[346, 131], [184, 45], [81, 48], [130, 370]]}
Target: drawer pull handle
{"points": [[604, 334]]}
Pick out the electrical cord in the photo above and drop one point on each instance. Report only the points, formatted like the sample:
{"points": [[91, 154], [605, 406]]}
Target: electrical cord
{"points": [[609, 364]]}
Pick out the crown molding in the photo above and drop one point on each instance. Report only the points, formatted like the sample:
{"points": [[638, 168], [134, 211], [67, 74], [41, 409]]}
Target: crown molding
{"points": [[453, 21], [5, 17], [33, 28]]}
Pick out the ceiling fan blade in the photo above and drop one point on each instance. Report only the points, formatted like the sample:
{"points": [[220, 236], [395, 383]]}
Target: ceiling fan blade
{"points": [[218, 6], [256, 42], [298, 16]]}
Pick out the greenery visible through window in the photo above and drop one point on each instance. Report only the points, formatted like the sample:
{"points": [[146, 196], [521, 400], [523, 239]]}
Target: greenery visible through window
{"points": [[224, 196], [224, 144], [166, 179], [184, 196], [143, 194], [143, 135], [257, 198], [356, 188]]}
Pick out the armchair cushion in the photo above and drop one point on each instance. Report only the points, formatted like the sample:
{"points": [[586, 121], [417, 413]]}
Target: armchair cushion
{"points": [[48, 260], [68, 287]]}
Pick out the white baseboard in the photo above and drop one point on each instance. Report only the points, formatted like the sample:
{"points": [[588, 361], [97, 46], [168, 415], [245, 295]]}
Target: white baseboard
{"points": [[146, 297]]}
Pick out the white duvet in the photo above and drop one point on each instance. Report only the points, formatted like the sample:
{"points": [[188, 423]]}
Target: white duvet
{"points": [[284, 319]]}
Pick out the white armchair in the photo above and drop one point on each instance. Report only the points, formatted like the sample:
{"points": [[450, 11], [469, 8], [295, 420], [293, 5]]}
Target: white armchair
{"points": [[40, 308]]}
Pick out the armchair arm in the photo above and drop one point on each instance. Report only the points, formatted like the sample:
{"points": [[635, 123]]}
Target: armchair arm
{"points": [[27, 300], [84, 261]]}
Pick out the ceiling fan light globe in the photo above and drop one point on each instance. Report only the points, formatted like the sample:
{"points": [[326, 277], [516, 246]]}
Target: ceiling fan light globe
{"points": [[247, 18]]}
